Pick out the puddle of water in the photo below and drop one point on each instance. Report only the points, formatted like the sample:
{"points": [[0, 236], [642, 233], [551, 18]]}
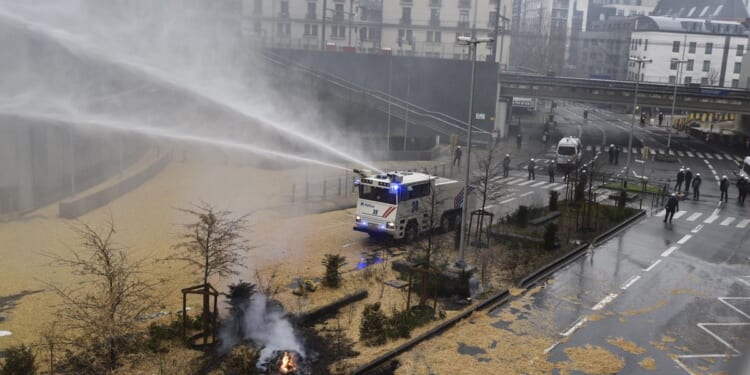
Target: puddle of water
{"points": [[470, 350]]}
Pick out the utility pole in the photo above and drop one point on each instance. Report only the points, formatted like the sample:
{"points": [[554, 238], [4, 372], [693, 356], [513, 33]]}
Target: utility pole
{"points": [[640, 61], [323, 30]]}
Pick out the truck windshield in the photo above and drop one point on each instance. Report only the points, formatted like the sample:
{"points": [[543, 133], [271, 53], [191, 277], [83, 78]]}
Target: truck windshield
{"points": [[378, 194], [566, 150]]}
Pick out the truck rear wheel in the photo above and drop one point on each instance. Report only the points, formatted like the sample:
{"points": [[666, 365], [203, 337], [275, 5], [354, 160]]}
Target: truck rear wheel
{"points": [[410, 234]]}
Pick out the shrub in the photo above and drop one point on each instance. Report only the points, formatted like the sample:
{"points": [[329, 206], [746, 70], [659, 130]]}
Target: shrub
{"points": [[372, 327], [550, 232], [242, 360], [158, 332], [333, 264], [19, 360], [553, 195], [522, 216]]}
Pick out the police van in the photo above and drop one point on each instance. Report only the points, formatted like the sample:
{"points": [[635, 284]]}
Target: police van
{"points": [[744, 168], [569, 152]]}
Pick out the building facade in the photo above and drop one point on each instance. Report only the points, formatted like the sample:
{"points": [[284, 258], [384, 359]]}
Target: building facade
{"points": [[427, 28], [604, 49], [712, 50]]}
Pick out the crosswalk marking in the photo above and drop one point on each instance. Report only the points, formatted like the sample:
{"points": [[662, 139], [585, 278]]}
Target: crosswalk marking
{"points": [[559, 188], [708, 156], [515, 181], [680, 153], [679, 214], [538, 184], [661, 151], [694, 216], [718, 156], [671, 152], [690, 154], [727, 221], [711, 219], [526, 183], [661, 213], [549, 185], [743, 223]]}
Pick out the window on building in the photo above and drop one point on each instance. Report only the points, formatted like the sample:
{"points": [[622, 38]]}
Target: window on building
{"points": [[284, 8], [288, 28], [676, 46], [429, 36], [672, 79], [307, 29], [672, 65], [691, 47], [279, 28], [339, 11], [438, 37], [704, 81], [690, 64], [406, 15], [311, 11], [706, 65], [740, 50], [463, 17], [314, 30], [435, 16], [737, 67], [735, 83], [688, 80], [709, 48], [645, 45], [257, 27], [363, 34], [409, 37]]}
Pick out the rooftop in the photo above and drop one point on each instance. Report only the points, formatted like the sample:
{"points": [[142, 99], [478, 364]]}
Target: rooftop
{"points": [[690, 25], [702, 9]]}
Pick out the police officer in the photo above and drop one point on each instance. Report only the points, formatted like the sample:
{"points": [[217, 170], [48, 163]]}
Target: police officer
{"points": [[742, 189], [551, 171], [519, 139], [680, 179], [506, 165], [673, 205], [532, 165], [697, 186], [724, 187], [611, 154], [617, 154], [688, 178], [457, 156]]}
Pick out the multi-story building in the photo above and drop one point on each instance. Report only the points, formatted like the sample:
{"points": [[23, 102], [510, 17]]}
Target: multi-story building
{"points": [[604, 49], [726, 10], [405, 27], [713, 50], [547, 31]]}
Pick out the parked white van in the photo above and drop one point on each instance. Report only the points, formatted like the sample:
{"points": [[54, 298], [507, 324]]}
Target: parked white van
{"points": [[744, 168], [569, 152]]}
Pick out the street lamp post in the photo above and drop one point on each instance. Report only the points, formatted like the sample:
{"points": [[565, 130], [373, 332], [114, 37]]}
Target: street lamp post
{"points": [[674, 99], [640, 61], [472, 43]]}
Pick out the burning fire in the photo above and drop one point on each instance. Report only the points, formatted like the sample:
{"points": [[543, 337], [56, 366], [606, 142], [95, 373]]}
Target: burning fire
{"points": [[287, 364]]}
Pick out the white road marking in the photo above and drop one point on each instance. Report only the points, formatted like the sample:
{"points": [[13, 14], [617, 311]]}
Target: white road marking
{"points": [[549, 185], [609, 298], [581, 321], [743, 223], [684, 239], [661, 151], [718, 157], [652, 265], [671, 152], [527, 193], [704, 325], [724, 300], [661, 213], [679, 214], [694, 216], [711, 218], [630, 282], [697, 228], [707, 156], [727, 221], [669, 251], [690, 154], [551, 347], [515, 181], [538, 184], [680, 153], [527, 183], [507, 200], [559, 188]]}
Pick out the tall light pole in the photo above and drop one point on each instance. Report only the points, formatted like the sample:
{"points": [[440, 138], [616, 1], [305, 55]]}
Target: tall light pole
{"points": [[640, 61], [323, 29], [472, 43], [674, 99]]}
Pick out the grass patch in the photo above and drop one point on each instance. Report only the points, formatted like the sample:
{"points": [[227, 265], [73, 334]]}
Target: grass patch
{"points": [[633, 186]]}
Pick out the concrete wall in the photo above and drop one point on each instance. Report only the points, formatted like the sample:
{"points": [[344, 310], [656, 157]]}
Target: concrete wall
{"points": [[41, 163], [436, 84]]}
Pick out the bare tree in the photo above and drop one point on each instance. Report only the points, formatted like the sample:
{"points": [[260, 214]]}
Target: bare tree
{"points": [[104, 313], [713, 77], [489, 169], [213, 245]]}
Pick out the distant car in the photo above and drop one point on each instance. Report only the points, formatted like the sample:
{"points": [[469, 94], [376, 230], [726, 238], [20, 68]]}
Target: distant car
{"points": [[569, 152]]}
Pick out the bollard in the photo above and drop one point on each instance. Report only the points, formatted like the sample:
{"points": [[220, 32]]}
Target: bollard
{"points": [[339, 193], [324, 188], [293, 189]]}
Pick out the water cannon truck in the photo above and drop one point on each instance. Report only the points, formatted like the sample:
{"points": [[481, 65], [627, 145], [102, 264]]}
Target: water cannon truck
{"points": [[399, 204]]}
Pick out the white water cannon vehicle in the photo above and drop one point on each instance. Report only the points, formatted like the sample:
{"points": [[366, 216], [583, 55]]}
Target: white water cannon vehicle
{"points": [[569, 152], [399, 204]]}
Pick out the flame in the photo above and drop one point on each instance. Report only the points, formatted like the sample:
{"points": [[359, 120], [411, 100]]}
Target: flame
{"points": [[287, 364]]}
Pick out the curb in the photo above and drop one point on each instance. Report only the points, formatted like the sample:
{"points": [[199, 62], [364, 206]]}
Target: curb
{"points": [[553, 266], [600, 238], [372, 365]]}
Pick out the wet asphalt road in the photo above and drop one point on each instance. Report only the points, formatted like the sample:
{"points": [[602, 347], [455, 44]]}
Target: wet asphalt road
{"points": [[681, 291]]}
